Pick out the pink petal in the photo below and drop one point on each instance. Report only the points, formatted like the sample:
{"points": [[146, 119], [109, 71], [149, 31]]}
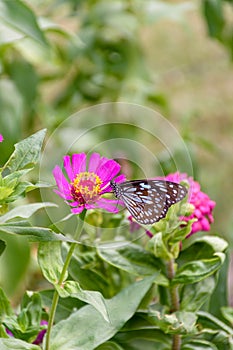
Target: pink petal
{"points": [[62, 184], [118, 179], [1, 138], [104, 203], [94, 162], [63, 195], [108, 170], [210, 218], [68, 168], [77, 210], [212, 204], [74, 204], [78, 163], [205, 224]]}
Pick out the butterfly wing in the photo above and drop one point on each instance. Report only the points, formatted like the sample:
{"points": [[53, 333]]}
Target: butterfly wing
{"points": [[149, 200]]}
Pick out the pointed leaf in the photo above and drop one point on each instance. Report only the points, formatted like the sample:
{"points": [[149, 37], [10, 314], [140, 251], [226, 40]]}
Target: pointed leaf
{"points": [[196, 294], [5, 307], [92, 330], [110, 345], [73, 289], [26, 152], [207, 320], [133, 259], [16, 344], [197, 270], [159, 247], [199, 345], [20, 18], [25, 211], [33, 233], [50, 260], [65, 307], [218, 244], [227, 312]]}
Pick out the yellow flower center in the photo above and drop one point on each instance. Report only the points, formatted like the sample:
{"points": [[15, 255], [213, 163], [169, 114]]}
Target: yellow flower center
{"points": [[86, 188]]}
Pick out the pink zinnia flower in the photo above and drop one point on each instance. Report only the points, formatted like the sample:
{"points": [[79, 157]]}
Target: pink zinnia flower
{"points": [[1, 138], [203, 205], [83, 186]]}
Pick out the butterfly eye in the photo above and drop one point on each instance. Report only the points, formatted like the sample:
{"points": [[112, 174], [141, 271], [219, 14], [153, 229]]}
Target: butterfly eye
{"points": [[148, 200]]}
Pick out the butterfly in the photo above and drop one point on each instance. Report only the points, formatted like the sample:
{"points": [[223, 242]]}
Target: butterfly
{"points": [[148, 200]]}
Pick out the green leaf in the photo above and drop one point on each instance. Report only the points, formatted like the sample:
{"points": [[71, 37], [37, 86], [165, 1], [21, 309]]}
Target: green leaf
{"points": [[27, 152], [2, 246], [5, 307], [5, 193], [217, 244], [31, 302], [179, 322], [65, 307], [25, 211], [50, 261], [207, 320], [88, 278], [133, 259], [213, 11], [227, 312], [73, 289], [16, 344], [159, 247], [196, 271], [33, 233], [92, 330], [211, 326], [3, 333], [20, 17], [110, 345], [193, 296], [219, 296], [199, 345], [149, 339], [20, 70], [26, 324], [14, 263]]}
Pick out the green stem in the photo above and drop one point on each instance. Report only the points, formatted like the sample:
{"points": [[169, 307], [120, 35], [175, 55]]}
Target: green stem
{"points": [[175, 302], [61, 280]]}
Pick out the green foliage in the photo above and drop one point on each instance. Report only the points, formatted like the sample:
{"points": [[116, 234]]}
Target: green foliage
{"points": [[26, 324], [2, 246], [133, 259], [51, 263], [92, 329], [219, 27], [110, 296], [17, 16], [17, 344], [195, 271], [26, 154]]}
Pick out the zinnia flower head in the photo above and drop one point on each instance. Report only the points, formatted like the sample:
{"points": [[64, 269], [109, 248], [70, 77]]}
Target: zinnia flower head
{"points": [[203, 205], [1, 138], [83, 186]]}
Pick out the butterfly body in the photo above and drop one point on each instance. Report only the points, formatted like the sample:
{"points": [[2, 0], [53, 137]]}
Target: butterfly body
{"points": [[148, 200]]}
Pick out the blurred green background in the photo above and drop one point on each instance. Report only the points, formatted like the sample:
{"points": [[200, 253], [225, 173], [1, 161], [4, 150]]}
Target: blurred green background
{"points": [[60, 56]]}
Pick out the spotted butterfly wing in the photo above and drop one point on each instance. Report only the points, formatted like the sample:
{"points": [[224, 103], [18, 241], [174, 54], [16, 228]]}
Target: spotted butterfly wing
{"points": [[148, 200]]}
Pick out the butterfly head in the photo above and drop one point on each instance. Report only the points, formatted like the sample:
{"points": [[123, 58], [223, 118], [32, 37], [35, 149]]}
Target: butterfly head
{"points": [[116, 188]]}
